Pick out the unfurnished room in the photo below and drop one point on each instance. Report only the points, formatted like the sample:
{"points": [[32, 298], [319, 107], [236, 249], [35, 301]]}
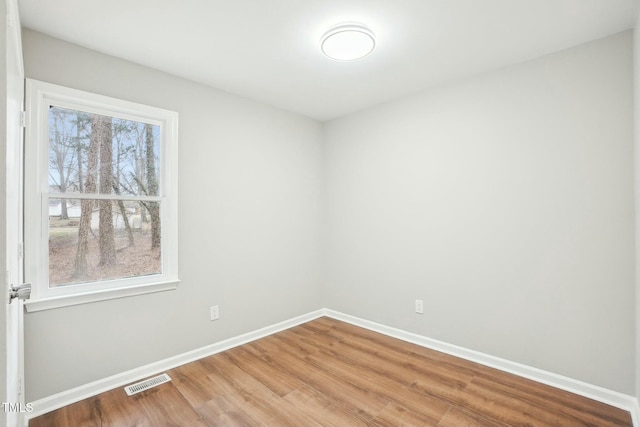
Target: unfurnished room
{"points": [[321, 213]]}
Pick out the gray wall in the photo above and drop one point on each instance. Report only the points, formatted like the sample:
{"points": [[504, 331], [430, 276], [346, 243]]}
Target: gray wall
{"points": [[249, 225], [505, 202]]}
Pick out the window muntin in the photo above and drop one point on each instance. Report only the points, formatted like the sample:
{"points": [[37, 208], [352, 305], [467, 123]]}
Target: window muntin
{"points": [[102, 173]]}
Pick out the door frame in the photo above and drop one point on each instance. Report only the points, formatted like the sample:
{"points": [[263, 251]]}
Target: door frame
{"points": [[14, 217]]}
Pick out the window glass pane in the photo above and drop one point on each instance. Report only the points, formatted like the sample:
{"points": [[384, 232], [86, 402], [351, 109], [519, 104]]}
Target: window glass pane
{"points": [[102, 240], [92, 153]]}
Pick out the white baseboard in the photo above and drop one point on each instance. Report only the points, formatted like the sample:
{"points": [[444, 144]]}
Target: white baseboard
{"points": [[601, 394], [610, 397], [635, 413], [51, 403]]}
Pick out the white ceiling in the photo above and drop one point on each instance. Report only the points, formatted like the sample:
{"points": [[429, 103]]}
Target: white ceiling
{"points": [[268, 50]]}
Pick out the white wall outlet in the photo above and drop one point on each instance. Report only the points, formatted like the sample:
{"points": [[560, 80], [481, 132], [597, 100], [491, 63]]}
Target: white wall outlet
{"points": [[214, 312], [419, 306]]}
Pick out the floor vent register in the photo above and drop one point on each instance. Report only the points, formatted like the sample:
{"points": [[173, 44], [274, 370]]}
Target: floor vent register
{"points": [[146, 384]]}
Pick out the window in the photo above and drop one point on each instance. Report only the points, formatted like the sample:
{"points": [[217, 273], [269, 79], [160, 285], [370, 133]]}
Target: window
{"points": [[100, 197]]}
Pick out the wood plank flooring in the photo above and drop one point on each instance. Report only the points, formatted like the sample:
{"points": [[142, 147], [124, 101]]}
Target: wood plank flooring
{"points": [[329, 373]]}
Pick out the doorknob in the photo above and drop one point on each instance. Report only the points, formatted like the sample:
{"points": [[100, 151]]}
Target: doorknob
{"points": [[20, 292]]}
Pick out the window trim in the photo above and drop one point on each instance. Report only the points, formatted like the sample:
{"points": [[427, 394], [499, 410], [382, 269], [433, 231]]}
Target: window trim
{"points": [[39, 96]]}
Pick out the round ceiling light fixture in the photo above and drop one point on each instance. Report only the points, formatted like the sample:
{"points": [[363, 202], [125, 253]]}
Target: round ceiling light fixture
{"points": [[346, 42]]}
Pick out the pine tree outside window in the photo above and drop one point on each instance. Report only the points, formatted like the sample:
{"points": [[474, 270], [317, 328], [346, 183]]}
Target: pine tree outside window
{"points": [[100, 197]]}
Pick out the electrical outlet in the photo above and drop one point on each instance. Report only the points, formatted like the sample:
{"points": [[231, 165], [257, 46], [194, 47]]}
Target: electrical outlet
{"points": [[419, 306], [214, 312]]}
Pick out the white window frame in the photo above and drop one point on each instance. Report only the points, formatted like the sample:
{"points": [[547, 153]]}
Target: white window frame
{"points": [[40, 96]]}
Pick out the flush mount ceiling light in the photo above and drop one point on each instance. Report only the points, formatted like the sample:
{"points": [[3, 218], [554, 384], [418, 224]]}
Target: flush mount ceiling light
{"points": [[347, 42]]}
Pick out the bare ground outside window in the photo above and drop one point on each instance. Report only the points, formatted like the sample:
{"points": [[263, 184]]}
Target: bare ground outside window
{"points": [[131, 260]]}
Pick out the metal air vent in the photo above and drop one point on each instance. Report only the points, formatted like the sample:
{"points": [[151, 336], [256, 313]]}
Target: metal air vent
{"points": [[146, 384]]}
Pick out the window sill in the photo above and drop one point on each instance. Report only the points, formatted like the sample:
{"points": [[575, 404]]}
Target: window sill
{"points": [[49, 303]]}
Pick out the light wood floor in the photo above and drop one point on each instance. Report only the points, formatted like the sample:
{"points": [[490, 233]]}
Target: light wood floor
{"points": [[329, 373]]}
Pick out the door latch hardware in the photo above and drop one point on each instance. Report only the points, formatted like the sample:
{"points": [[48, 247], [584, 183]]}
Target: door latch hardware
{"points": [[20, 292]]}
